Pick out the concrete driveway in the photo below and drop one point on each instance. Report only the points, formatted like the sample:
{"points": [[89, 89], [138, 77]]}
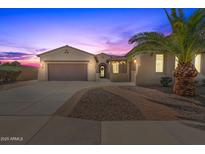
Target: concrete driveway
{"points": [[42, 98], [25, 110], [26, 118]]}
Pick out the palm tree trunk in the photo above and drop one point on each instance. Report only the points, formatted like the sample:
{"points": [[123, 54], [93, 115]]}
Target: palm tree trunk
{"points": [[184, 79]]}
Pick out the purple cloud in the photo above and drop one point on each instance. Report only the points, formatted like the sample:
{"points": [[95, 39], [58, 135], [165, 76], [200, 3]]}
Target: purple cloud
{"points": [[119, 44], [41, 50], [15, 56], [20, 47]]}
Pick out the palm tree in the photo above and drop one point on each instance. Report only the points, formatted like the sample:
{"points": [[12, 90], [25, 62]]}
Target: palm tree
{"points": [[185, 42]]}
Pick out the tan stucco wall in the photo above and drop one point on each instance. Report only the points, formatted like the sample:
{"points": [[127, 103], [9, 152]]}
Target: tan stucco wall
{"points": [[134, 68], [102, 59], [203, 63], [201, 75], [120, 77], [73, 55], [146, 75]]}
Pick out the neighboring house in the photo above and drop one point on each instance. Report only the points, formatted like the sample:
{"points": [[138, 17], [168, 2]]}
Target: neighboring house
{"points": [[70, 64]]}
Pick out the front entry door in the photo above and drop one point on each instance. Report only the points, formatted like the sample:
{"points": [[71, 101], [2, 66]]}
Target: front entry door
{"points": [[102, 71]]}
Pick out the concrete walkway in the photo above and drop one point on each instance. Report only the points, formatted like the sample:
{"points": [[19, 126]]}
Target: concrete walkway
{"points": [[26, 118], [61, 130], [151, 132]]}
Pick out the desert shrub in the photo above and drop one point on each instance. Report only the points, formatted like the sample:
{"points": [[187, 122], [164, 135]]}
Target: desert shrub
{"points": [[9, 73], [165, 81], [15, 63]]}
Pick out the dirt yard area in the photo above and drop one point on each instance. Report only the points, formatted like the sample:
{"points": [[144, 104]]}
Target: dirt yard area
{"points": [[200, 92], [131, 103]]}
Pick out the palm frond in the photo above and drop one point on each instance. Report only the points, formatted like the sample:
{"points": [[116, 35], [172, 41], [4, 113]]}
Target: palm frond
{"points": [[174, 14], [187, 38], [181, 14], [169, 18], [196, 18]]}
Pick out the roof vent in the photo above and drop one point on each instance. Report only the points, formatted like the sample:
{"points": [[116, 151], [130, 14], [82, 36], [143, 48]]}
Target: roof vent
{"points": [[66, 52]]}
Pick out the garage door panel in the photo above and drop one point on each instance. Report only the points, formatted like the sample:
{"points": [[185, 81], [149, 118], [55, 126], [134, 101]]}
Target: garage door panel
{"points": [[67, 72]]}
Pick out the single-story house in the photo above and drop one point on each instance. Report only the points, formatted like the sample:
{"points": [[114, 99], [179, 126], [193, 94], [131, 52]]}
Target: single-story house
{"points": [[71, 64]]}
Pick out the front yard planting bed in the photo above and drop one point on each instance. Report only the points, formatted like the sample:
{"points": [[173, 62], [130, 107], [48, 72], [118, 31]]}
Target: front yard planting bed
{"points": [[189, 108], [98, 104], [115, 104], [131, 103]]}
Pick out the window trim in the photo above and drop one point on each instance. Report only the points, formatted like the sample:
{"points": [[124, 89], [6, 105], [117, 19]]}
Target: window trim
{"points": [[162, 64], [117, 65]]}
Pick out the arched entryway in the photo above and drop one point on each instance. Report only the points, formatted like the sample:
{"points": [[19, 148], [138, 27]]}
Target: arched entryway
{"points": [[102, 70]]}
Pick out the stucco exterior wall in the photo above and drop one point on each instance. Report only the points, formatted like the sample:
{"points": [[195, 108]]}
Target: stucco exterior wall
{"points": [[102, 59], [201, 75], [203, 63], [146, 63], [146, 74], [133, 69], [119, 77], [67, 55]]}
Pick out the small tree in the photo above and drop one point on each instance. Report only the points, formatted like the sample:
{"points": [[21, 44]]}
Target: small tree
{"points": [[15, 63]]}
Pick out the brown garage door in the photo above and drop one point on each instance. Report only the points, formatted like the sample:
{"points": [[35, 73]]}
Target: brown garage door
{"points": [[67, 72]]}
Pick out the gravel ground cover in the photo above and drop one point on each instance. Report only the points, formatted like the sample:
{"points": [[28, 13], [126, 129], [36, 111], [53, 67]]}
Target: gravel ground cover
{"points": [[117, 103], [188, 108], [98, 104], [114, 104]]}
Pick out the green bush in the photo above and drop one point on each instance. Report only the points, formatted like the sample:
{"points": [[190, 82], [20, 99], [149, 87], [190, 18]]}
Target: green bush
{"points": [[14, 63], [9, 73], [165, 81]]}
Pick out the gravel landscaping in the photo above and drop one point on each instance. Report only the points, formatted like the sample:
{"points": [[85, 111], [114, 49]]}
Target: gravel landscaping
{"points": [[98, 104], [192, 108], [200, 91], [115, 104]]}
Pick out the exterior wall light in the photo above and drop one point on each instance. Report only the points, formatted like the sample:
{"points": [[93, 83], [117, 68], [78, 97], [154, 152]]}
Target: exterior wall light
{"points": [[41, 65]]}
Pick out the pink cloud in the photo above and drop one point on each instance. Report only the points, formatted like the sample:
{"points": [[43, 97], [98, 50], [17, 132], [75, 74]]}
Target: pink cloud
{"points": [[120, 47]]}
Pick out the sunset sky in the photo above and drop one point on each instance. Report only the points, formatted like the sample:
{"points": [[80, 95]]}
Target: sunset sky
{"points": [[27, 32]]}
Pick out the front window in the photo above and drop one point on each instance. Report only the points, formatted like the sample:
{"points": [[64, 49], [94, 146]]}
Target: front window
{"points": [[176, 62], [159, 63], [115, 67], [198, 62]]}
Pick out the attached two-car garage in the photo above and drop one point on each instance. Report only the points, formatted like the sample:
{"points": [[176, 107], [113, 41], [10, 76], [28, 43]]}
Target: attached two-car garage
{"points": [[67, 64], [67, 72]]}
